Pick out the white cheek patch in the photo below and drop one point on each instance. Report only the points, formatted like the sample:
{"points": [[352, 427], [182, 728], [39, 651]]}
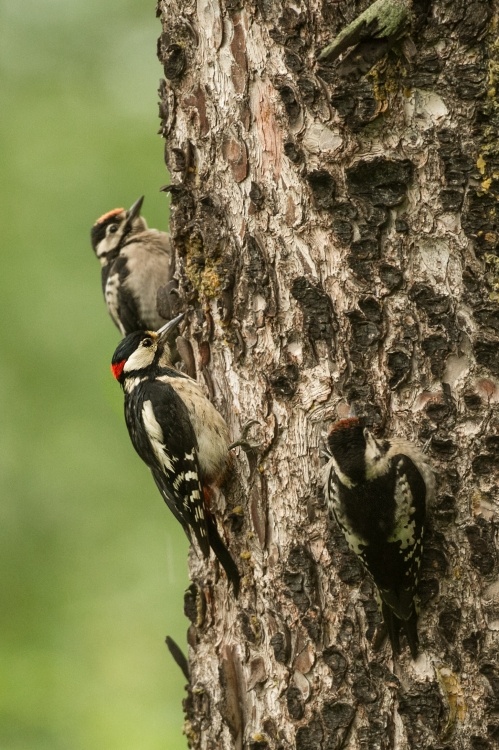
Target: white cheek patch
{"points": [[141, 358], [108, 244], [155, 435]]}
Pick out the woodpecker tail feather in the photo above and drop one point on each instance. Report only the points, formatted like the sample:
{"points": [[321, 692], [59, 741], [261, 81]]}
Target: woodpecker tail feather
{"points": [[411, 633], [393, 626], [223, 555]]}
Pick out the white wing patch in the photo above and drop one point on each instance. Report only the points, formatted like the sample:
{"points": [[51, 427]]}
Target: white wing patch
{"points": [[209, 426], [155, 435]]}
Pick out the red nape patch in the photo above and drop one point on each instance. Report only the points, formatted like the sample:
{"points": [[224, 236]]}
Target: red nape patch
{"points": [[117, 368], [107, 216], [345, 424]]}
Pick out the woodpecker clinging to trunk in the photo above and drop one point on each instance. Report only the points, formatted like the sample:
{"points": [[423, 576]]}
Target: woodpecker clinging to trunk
{"points": [[378, 491], [137, 262], [178, 433]]}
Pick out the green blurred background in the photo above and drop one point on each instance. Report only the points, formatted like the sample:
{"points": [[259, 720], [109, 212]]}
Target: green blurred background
{"points": [[92, 565]]}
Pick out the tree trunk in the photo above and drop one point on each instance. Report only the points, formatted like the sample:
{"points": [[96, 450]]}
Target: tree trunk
{"points": [[337, 234]]}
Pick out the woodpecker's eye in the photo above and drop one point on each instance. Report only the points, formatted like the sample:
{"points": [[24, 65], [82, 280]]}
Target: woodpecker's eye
{"points": [[146, 342], [112, 228]]}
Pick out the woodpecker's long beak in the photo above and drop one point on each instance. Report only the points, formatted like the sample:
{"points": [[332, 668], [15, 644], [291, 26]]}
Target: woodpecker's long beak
{"points": [[134, 210], [165, 330]]}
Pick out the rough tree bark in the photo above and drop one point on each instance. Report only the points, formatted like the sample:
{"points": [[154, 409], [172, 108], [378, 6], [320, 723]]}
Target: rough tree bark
{"points": [[337, 233]]}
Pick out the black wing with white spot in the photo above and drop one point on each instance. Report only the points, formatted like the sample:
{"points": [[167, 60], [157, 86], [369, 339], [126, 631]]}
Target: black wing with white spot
{"points": [[163, 436], [394, 563], [407, 537]]}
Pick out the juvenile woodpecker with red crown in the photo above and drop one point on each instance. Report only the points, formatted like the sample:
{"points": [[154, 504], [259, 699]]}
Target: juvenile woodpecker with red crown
{"points": [[378, 491], [136, 263], [178, 433]]}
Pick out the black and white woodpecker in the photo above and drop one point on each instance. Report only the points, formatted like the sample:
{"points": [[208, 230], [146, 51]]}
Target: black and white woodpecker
{"points": [[136, 263], [178, 433], [378, 491]]}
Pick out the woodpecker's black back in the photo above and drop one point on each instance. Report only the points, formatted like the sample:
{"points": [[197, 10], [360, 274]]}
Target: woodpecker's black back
{"points": [[378, 497], [164, 413]]}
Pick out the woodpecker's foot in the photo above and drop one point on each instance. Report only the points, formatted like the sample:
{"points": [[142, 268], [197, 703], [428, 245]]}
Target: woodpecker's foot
{"points": [[242, 441]]}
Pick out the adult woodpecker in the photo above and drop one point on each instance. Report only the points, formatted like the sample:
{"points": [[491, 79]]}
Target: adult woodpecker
{"points": [[378, 491], [178, 433], [136, 263]]}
